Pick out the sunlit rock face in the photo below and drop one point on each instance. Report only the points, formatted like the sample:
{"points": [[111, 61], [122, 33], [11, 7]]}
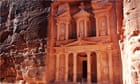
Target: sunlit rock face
{"points": [[23, 27], [130, 42]]}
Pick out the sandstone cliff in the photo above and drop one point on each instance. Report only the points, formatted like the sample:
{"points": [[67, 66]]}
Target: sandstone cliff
{"points": [[23, 27]]}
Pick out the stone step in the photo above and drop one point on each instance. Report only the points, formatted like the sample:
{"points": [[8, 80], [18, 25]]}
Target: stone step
{"points": [[71, 83], [61, 82]]}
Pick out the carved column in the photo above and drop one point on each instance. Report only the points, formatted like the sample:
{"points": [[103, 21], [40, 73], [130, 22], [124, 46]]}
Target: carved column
{"points": [[57, 67], [98, 67], [97, 26], [77, 28], [88, 67], [58, 25], [67, 31], [110, 67], [108, 25], [66, 66], [75, 67], [86, 20]]}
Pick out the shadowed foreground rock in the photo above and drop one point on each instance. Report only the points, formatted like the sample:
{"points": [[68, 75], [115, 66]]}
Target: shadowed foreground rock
{"points": [[23, 27]]}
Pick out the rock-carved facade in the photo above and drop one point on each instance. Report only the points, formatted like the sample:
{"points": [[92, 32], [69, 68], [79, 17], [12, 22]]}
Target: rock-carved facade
{"points": [[81, 43]]}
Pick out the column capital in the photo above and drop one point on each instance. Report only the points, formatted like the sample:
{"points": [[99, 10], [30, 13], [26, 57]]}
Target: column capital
{"points": [[67, 22], [109, 47], [66, 53], [110, 51], [88, 52], [101, 52], [98, 52], [74, 54], [57, 54]]}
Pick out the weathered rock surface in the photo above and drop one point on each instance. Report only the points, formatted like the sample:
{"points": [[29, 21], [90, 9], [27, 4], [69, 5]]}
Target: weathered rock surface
{"points": [[130, 42], [23, 27]]}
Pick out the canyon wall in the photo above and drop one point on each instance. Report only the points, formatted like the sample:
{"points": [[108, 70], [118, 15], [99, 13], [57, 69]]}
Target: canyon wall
{"points": [[130, 42], [23, 37]]}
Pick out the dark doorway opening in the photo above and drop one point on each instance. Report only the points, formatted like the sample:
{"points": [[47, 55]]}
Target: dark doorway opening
{"points": [[94, 67], [84, 69]]}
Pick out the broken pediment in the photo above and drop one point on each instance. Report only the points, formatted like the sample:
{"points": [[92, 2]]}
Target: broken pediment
{"points": [[101, 4], [65, 14], [80, 42], [63, 17], [82, 12], [62, 9]]}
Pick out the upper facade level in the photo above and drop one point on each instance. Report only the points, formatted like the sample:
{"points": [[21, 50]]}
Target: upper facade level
{"points": [[88, 20]]}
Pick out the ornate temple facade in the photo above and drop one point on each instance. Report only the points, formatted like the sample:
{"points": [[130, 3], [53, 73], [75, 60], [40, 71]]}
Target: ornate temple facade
{"points": [[82, 43]]}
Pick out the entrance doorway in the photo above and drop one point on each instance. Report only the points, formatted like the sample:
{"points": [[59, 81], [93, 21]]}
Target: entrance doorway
{"points": [[94, 67], [84, 70]]}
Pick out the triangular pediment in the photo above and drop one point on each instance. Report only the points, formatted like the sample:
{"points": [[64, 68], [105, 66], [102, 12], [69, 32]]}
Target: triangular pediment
{"points": [[63, 17], [82, 13], [80, 42]]}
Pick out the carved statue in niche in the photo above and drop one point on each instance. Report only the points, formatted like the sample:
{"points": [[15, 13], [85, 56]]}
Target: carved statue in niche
{"points": [[103, 26], [61, 72], [81, 29], [105, 67], [62, 31]]}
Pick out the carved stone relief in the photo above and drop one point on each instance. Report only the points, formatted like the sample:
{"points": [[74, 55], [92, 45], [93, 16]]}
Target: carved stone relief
{"points": [[103, 25], [105, 67], [62, 31], [81, 29]]}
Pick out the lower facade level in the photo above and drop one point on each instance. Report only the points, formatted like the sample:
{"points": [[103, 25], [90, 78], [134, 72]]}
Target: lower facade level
{"points": [[83, 67], [87, 64]]}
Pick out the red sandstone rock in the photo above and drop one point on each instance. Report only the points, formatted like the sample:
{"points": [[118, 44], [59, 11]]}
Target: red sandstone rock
{"points": [[23, 27]]}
